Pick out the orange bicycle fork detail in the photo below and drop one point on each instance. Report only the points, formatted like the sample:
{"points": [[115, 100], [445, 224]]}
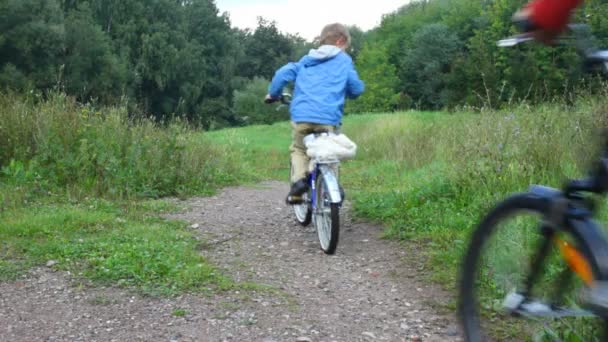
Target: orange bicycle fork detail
{"points": [[575, 260]]}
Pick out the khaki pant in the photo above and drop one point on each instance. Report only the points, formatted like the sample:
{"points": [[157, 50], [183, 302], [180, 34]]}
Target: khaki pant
{"points": [[299, 159]]}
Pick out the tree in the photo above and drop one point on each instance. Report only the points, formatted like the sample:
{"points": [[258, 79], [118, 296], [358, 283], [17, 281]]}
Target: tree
{"points": [[357, 40], [91, 68], [31, 43], [427, 64], [265, 51], [380, 82]]}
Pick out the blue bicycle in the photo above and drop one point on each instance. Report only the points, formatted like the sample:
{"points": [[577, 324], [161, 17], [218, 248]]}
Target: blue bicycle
{"points": [[322, 202]]}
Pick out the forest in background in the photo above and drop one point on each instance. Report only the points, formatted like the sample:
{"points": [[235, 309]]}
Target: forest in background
{"points": [[167, 59]]}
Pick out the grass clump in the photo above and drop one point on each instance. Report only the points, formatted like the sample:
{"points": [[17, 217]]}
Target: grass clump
{"points": [[59, 144], [108, 244]]}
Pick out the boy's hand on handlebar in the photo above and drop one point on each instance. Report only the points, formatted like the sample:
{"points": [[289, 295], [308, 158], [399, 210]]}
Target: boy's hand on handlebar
{"points": [[270, 99]]}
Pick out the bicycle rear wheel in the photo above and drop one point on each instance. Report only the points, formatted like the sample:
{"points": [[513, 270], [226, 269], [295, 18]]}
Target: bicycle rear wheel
{"points": [[504, 256], [326, 217]]}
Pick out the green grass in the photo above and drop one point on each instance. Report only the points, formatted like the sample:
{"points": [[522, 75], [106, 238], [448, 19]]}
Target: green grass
{"points": [[262, 152], [110, 244], [179, 313], [429, 177]]}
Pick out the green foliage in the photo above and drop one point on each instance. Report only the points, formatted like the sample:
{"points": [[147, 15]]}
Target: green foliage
{"points": [[102, 151], [426, 64], [380, 80], [250, 108], [446, 55], [266, 49], [91, 70], [32, 36], [182, 59], [358, 37], [166, 57], [107, 244], [162, 58], [179, 312]]}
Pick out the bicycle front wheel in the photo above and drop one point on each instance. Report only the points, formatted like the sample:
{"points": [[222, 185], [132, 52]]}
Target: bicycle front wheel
{"points": [[326, 217], [303, 211], [515, 284]]}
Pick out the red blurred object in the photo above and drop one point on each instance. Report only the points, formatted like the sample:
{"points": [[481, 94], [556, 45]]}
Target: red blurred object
{"points": [[552, 15]]}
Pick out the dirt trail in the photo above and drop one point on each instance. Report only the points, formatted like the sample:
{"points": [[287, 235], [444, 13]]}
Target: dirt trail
{"points": [[368, 291]]}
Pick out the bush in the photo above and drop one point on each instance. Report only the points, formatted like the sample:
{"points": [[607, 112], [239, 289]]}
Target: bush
{"points": [[381, 82], [249, 104], [104, 152]]}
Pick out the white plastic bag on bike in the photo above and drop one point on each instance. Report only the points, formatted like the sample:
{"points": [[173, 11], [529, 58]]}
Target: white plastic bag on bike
{"points": [[330, 147]]}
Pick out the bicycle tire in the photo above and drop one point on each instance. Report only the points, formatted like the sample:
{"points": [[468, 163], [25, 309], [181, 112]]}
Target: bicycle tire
{"points": [[303, 211], [326, 217], [469, 299]]}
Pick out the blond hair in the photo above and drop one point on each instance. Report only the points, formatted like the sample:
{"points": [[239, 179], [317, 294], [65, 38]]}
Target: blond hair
{"points": [[332, 33]]}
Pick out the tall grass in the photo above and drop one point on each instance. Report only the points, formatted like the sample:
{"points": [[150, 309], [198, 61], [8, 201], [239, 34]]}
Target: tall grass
{"points": [[408, 139], [262, 152], [430, 178], [58, 143]]}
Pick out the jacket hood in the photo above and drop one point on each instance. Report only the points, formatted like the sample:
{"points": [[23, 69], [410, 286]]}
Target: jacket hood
{"points": [[322, 54]]}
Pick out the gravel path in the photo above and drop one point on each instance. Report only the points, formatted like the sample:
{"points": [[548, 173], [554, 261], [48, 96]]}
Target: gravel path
{"points": [[368, 291]]}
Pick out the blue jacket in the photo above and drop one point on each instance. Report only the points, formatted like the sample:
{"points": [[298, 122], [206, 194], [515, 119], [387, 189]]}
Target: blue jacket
{"points": [[323, 79]]}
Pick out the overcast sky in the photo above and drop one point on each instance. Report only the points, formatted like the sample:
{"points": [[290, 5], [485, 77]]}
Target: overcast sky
{"points": [[307, 18]]}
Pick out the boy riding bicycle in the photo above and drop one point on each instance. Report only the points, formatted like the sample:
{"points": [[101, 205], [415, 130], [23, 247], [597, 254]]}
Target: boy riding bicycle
{"points": [[323, 79]]}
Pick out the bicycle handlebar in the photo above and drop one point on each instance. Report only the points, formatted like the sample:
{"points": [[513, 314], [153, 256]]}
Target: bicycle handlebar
{"points": [[580, 37], [584, 185], [596, 183], [285, 99]]}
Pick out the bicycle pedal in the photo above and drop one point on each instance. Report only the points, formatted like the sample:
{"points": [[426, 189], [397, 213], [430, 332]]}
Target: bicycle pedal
{"points": [[596, 298], [536, 308], [513, 301], [518, 304], [293, 200]]}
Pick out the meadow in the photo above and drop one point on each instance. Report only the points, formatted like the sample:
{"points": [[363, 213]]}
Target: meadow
{"points": [[85, 187], [428, 177]]}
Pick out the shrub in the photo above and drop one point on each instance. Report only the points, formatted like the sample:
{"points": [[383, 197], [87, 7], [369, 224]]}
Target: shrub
{"points": [[249, 104], [105, 152]]}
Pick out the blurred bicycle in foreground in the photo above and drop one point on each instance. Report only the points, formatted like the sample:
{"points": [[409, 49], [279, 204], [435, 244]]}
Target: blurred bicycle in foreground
{"points": [[536, 267]]}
